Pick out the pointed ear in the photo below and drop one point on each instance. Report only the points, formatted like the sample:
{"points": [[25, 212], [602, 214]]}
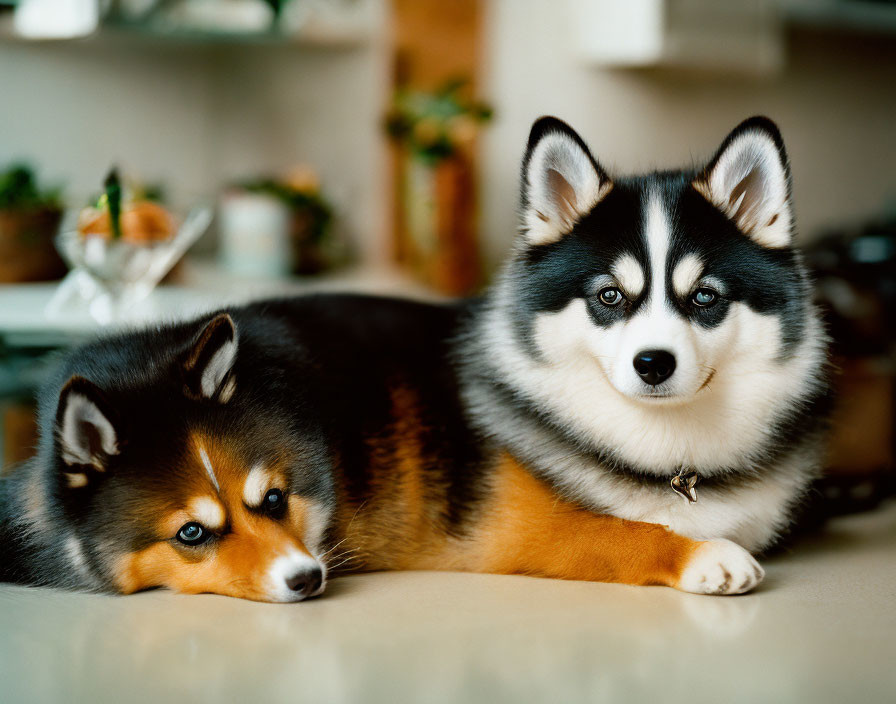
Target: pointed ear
{"points": [[85, 429], [208, 364], [749, 180], [561, 181]]}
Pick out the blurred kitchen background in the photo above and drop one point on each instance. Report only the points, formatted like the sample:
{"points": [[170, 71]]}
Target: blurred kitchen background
{"points": [[294, 145]]}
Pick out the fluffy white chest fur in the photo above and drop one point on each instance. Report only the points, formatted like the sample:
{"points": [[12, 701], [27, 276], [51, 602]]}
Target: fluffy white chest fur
{"points": [[724, 426]]}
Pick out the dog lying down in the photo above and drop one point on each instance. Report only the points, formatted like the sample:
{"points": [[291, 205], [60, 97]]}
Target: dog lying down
{"points": [[639, 399]]}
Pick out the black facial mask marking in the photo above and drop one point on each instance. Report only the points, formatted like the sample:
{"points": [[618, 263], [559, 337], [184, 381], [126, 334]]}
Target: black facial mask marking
{"points": [[547, 277]]}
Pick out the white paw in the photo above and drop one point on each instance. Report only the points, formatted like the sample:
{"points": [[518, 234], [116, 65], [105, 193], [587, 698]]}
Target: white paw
{"points": [[720, 567]]}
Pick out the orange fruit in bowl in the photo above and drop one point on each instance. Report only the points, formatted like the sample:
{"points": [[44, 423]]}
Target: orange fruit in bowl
{"points": [[142, 222]]}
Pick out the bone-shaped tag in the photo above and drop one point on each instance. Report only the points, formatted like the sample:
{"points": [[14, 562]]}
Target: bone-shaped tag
{"points": [[683, 484]]}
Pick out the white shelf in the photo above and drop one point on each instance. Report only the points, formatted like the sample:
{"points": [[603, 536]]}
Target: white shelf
{"points": [[206, 287], [317, 32]]}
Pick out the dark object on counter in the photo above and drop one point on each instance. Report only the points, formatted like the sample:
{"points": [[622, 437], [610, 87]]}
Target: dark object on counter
{"points": [[855, 275]]}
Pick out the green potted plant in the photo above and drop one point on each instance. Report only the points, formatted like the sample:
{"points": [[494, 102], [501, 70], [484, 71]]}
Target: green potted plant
{"points": [[29, 220], [434, 135]]}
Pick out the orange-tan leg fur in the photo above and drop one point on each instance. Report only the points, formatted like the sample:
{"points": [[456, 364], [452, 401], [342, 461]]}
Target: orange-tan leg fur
{"points": [[522, 527], [529, 530]]}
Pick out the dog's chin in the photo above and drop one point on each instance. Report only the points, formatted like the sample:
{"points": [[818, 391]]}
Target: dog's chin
{"points": [[657, 395], [660, 399]]}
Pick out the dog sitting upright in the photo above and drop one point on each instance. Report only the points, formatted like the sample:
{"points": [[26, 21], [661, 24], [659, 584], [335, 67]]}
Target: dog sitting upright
{"points": [[638, 399]]}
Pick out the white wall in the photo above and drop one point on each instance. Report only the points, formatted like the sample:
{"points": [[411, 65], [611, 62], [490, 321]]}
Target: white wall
{"points": [[277, 106], [835, 102], [74, 108], [195, 117]]}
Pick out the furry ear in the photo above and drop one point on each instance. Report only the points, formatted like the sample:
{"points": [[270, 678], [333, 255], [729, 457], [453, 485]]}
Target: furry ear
{"points": [[561, 181], [85, 430], [208, 364], [749, 180]]}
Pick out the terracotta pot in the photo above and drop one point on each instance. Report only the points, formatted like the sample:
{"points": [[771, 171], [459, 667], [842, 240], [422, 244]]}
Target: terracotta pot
{"points": [[27, 252], [436, 237]]}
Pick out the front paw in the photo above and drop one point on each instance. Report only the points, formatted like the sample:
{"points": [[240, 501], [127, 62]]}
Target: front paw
{"points": [[720, 567]]}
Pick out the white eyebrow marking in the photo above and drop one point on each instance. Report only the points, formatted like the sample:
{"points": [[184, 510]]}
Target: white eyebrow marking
{"points": [[686, 274], [207, 463], [207, 511], [256, 485], [657, 229], [629, 275]]}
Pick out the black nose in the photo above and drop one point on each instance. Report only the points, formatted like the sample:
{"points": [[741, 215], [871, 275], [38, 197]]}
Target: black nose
{"points": [[306, 582], [654, 366]]}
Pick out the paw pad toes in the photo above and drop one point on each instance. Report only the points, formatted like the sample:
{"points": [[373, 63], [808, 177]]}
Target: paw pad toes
{"points": [[721, 567]]}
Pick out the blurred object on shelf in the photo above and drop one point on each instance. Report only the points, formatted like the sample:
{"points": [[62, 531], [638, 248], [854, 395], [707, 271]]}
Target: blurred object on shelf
{"points": [[705, 35], [855, 275], [434, 134], [118, 250], [324, 21], [213, 16], [56, 19], [29, 220], [253, 231], [279, 226]]}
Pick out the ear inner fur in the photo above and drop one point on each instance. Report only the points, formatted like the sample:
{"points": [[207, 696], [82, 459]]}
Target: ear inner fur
{"points": [[749, 180], [561, 181], [86, 427], [208, 365]]}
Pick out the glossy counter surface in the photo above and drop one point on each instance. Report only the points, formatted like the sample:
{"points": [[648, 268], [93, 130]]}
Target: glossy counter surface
{"points": [[821, 629]]}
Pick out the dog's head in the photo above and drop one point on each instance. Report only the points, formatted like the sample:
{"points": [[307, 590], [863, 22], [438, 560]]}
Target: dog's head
{"points": [[175, 469], [663, 281], [665, 319]]}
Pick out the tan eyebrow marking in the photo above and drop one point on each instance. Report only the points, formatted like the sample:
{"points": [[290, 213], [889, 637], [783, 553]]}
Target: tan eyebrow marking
{"points": [[629, 275], [75, 479], [206, 511], [686, 274], [257, 483]]}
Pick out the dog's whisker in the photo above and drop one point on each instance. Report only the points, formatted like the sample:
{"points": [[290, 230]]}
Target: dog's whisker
{"points": [[328, 552]]}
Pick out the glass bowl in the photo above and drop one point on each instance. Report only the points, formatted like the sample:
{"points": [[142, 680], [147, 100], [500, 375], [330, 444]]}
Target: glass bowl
{"points": [[108, 277]]}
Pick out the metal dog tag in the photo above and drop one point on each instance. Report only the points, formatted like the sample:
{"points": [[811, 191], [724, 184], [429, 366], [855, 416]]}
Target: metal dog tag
{"points": [[683, 484]]}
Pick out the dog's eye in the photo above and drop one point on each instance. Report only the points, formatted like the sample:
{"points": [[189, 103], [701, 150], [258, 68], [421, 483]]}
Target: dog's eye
{"points": [[611, 296], [193, 534], [274, 502], [704, 297]]}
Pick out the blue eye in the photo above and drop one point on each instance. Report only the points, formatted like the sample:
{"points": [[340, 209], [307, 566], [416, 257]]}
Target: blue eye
{"points": [[193, 533], [274, 502], [611, 296], [704, 297]]}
